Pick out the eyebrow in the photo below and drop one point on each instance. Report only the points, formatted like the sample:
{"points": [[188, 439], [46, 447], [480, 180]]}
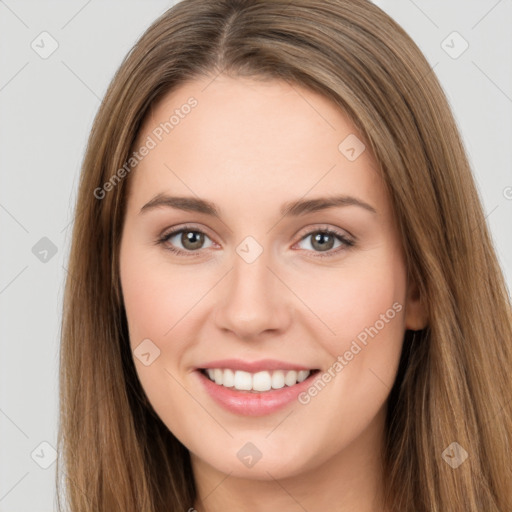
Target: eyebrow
{"points": [[289, 209]]}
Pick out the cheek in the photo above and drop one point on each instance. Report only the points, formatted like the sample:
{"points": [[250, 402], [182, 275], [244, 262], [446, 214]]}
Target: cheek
{"points": [[367, 293], [155, 299], [162, 303], [365, 308], [371, 306], [158, 308]]}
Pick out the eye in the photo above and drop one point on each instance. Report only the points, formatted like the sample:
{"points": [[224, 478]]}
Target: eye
{"points": [[190, 239], [323, 241]]}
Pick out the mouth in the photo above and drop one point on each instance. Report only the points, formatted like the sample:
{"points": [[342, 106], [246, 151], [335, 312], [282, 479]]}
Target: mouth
{"points": [[256, 382], [257, 387]]}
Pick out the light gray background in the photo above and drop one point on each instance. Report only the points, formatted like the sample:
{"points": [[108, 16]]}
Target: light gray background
{"points": [[46, 111]]}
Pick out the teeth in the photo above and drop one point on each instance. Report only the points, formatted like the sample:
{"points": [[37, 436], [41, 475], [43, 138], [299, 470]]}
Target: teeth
{"points": [[217, 375], [303, 375], [290, 378], [228, 378], [259, 381], [243, 381], [277, 379]]}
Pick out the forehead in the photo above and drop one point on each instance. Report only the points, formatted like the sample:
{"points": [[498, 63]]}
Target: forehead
{"points": [[253, 140]]}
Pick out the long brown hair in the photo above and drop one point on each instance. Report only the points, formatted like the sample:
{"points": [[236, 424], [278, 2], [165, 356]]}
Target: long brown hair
{"points": [[454, 381]]}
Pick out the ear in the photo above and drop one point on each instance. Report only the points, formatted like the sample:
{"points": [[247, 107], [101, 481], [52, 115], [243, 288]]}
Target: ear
{"points": [[416, 314]]}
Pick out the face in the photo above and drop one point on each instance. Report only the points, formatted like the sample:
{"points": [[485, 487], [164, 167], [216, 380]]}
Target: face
{"points": [[280, 263]]}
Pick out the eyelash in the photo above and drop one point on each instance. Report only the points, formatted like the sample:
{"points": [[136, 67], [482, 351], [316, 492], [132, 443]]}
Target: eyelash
{"points": [[347, 243]]}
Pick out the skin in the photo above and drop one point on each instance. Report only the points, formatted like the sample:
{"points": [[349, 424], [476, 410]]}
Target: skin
{"points": [[249, 146]]}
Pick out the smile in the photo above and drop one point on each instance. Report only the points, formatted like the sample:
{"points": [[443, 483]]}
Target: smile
{"points": [[256, 382], [254, 388]]}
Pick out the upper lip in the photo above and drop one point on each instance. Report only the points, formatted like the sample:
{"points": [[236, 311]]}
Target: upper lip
{"points": [[254, 366]]}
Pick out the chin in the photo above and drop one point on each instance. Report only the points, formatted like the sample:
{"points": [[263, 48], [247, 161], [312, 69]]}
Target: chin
{"points": [[262, 466]]}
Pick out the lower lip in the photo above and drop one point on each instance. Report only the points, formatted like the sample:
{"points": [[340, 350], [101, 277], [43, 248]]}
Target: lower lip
{"points": [[254, 404]]}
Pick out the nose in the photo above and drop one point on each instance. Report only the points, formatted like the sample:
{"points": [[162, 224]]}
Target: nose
{"points": [[253, 300]]}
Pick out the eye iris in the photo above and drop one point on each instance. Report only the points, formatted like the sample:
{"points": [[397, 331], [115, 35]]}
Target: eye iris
{"points": [[319, 238], [192, 240]]}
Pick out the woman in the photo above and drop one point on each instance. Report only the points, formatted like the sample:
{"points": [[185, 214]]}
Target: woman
{"points": [[283, 292]]}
